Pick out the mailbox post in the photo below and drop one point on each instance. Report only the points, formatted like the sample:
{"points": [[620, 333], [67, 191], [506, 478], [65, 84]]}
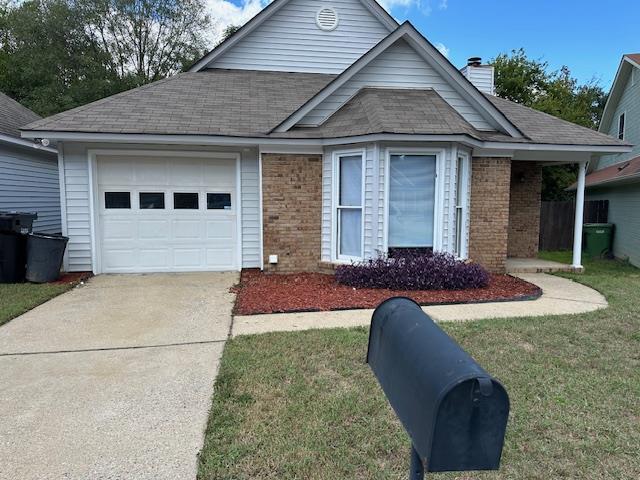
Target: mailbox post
{"points": [[454, 412]]}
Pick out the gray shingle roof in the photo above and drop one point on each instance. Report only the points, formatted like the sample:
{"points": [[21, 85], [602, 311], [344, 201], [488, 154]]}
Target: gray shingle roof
{"points": [[387, 110], [541, 127], [211, 102], [252, 103], [13, 116]]}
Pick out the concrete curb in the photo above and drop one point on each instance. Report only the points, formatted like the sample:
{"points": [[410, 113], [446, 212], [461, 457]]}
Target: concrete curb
{"points": [[560, 296]]}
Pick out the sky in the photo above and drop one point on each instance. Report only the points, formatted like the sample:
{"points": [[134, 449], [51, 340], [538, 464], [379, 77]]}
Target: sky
{"points": [[561, 32]]}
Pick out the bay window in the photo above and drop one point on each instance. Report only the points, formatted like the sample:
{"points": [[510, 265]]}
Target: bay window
{"points": [[348, 211]]}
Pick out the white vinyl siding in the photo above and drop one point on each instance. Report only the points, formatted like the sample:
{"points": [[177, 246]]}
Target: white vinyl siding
{"points": [[399, 66], [481, 77], [29, 182], [78, 216], [291, 41], [624, 213]]}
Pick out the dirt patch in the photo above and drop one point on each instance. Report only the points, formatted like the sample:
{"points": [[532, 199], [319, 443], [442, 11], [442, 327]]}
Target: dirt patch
{"points": [[72, 278], [259, 292]]}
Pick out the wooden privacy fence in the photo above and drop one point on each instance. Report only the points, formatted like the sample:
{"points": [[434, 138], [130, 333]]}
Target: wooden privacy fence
{"points": [[556, 221]]}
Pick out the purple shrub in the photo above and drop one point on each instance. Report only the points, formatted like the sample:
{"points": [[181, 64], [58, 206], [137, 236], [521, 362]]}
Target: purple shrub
{"points": [[413, 270]]}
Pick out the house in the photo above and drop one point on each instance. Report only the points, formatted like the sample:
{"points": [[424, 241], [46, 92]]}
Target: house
{"points": [[319, 133], [29, 179], [616, 177]]}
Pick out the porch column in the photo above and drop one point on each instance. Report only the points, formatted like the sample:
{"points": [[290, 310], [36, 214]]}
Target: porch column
{"points": [[577, 228]]}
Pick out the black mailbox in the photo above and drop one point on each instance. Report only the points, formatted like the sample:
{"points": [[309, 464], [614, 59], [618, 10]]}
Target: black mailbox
{"points": [[454, 412]]}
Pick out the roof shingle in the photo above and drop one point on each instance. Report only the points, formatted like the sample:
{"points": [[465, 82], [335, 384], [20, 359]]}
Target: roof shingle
{"points": [[13, 116]]}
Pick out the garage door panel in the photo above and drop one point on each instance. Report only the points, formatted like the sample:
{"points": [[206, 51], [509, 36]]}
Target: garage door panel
{"points": [[153, 230], [187, 229], [186, 258], [167, 239], [115, 229], [118, 259], [187, 172], [219, 173], [116, 171], [154, 257], [152, 172], [219, 258], [221, 230]]}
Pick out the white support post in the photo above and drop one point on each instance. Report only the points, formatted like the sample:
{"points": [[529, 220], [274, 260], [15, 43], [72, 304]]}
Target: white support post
{"points": [[577, 228]]}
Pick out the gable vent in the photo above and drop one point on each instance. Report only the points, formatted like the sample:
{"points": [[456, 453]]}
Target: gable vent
{"points": [[327, 19]]}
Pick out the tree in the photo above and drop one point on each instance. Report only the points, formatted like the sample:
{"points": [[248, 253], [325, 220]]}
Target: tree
{"points": [[228, 31], [47, 62], [58, 54], [147, 40], [529, 82]]}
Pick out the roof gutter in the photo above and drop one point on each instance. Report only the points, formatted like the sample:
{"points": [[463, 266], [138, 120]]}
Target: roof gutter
{"points": [[20, 142], [375, 137]]}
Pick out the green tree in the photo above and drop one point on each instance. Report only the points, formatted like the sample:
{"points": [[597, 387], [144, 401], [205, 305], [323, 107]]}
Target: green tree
{"points": [[58, 54], [47, 62], [228, 31], [531, 83], [147, 40]]}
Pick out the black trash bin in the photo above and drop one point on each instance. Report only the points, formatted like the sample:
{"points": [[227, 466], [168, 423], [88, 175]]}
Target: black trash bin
{"points": [[44, 257], [13, 245]]}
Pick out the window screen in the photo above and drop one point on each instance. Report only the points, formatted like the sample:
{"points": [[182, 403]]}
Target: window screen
{"points": [[117, 200], [185, 201], [152, 200], [218, 201]]}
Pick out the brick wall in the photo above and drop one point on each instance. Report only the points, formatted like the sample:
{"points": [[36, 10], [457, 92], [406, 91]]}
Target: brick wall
{"points": [[489, 211], [291, 211], [524, 209]]}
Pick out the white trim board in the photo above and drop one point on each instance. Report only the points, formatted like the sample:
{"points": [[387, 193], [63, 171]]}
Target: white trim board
{"points": [[206, 140]]}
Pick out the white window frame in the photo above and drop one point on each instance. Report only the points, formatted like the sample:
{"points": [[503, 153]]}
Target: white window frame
{"points": [[335, 205], [461, 206], [440, 154], [624, 127]]}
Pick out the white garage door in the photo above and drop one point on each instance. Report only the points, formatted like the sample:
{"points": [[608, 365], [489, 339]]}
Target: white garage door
{"points": [[167, 214]]}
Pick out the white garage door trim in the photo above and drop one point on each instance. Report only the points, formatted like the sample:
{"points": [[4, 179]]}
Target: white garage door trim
{"points": [[94, 203]]}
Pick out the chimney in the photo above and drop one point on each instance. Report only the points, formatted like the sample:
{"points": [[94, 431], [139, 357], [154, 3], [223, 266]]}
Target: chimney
{"points": [[479, 75]]}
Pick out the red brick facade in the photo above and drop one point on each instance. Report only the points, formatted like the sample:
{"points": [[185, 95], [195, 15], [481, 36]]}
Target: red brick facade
{"points": [[524, 209], [292, 211], [489, 212]]}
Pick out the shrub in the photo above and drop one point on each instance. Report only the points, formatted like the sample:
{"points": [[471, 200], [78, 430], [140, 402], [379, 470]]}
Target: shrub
{"points": [[413, 270]]}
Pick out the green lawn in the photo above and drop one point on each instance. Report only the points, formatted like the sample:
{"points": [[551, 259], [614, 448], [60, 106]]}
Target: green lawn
{"points": [[17, 298], [306, 406]]}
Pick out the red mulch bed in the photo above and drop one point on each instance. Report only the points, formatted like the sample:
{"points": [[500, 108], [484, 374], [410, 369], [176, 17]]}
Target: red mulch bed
{"points": [[311, 292], [73, 278]]}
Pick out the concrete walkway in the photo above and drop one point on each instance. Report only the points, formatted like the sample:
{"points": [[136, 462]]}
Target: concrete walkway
{"points": [[560, 296], [113, 379]]}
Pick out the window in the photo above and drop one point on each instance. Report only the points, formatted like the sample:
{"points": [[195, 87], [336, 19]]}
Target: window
{"points": [[218, 201], [152, 200], [185, 201], [117, 200], [412, 182], [349, 207], [621, 127], [461, 206]]}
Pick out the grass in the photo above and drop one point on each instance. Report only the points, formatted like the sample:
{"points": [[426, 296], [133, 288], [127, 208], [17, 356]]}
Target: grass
{"points": [[305, 405], [18, 298]]}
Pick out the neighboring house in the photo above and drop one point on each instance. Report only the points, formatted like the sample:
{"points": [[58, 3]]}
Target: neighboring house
{"points": [[29, 180], [616, 178], [319, 133]]}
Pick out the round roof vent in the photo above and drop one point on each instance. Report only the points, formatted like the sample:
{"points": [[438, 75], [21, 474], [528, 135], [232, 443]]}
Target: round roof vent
{"points": [[327, 19]]}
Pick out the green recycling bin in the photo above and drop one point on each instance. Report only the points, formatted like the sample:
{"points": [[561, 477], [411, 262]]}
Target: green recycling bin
{"points": [[598, 239]]}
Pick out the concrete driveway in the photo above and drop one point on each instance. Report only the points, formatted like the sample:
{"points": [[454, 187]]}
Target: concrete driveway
{"points": [[113, 379]]}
